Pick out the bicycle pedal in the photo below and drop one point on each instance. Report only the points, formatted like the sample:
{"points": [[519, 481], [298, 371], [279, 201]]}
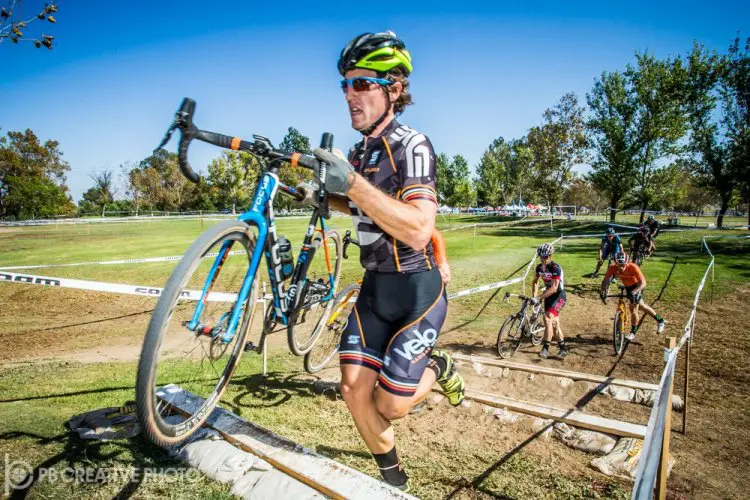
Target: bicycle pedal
{"points": [[249, 346]]}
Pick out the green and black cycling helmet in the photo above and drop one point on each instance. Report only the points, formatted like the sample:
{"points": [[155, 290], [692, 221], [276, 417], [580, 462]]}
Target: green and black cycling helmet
{"points": [[651, 217], [379, 52]]}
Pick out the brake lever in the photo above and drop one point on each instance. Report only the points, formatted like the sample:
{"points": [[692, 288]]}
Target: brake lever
{"points": [[167, 136]]}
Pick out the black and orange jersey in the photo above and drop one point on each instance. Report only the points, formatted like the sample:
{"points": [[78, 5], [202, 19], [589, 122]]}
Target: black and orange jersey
{"points": [[401, 163]]}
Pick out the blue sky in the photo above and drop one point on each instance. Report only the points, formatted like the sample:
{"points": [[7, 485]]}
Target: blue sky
{"points": [[108, 91]]}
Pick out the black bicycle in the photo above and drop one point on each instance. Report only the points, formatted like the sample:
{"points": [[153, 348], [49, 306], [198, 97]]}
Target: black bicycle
{"points": [[526, 323]]}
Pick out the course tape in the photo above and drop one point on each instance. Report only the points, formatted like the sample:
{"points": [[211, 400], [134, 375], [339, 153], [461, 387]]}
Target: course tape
{"points": [[99, 286], [111, 262]]}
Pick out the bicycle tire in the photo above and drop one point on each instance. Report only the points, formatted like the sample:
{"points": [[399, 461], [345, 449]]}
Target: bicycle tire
{"points": [[150, 411], [508, 345], [537, 329], [327, 344], [618, 336], [303, 317], [638, 258]]}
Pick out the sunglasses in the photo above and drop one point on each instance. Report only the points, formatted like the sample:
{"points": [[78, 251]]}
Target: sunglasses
{"points": [[362, 83]]}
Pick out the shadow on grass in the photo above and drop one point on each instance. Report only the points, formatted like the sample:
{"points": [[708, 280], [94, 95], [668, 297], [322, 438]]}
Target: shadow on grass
{"points": [[84, 323], [83, 460], [266, 391]]}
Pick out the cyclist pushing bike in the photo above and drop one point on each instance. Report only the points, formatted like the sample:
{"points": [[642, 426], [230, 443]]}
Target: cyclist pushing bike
{"points": [[554, 298], [611, 245], [630, 275], [387, 183]]}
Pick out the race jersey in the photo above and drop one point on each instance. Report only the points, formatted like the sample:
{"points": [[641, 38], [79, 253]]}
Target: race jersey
{"points": [[401, 163], [615, 243], [653, 226], [550, 273], [640, 240], [629, 276]]}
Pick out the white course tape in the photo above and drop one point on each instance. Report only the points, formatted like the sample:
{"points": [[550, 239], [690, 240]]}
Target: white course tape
{"points": [[484, 288], [99, 286], [111, 262]]}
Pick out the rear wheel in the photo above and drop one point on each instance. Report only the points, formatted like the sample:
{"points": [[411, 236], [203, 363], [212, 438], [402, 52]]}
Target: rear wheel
{"points": [[327, 344], [509, 337], [202, 359], [618, 333], [315, 296]]}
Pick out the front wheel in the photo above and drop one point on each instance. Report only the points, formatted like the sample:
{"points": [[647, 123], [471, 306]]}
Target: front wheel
{"points": [[618, 333], [317, 295], [177, 359], [327, 344], [509, 337]]}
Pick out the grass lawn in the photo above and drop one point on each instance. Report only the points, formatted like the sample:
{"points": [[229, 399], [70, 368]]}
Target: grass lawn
{"points": [[58, 361]]}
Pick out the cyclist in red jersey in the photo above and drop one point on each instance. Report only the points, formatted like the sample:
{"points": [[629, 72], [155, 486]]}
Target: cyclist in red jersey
{"points": [[634, 281]]}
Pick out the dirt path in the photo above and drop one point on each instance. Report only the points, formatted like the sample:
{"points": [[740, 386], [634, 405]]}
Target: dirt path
{"points": [[40, 323]]}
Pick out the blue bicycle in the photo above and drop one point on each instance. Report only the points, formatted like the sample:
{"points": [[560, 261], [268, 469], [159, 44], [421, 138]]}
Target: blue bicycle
{"points": [[199, 328]]}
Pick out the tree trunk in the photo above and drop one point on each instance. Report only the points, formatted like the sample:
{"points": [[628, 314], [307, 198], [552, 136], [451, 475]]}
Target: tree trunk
{"points": [[724, 206], [644, 206], [612, 209]]}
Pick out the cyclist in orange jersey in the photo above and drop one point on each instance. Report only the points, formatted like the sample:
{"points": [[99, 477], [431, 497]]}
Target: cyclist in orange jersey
{"points": [[441, 255], [634, 281]]}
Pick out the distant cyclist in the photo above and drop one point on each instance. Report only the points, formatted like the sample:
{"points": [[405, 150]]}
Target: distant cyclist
{"points": [[630, 275], [611, 244], [642, 242], [554, 298], [653, 226]]}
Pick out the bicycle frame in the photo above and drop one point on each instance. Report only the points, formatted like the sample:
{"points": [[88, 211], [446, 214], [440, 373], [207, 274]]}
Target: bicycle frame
{"points": [[261, 216]]}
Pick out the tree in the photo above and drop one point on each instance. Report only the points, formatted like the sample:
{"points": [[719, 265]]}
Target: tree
{"points": [[660, 124], [491, 182], [520, 178], [556, 145], [232, 178], [12, 27], [293, 142], [101, 194], [158, 184], [583, 193], [717, 92], [464, 193], [32, 177], [445, 183], [612, 131]]}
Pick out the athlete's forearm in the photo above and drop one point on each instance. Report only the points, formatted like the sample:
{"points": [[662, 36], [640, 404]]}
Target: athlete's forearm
{"points": [[549, 292], [403, 221]]}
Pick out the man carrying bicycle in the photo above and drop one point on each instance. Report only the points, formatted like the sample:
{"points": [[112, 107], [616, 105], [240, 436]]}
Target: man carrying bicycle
{"points": [[387, 359], [631, 277], [554, 298], [611, 244]]}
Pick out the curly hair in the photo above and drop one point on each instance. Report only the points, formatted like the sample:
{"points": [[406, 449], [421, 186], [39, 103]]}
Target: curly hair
{"points": [[405, 99]]}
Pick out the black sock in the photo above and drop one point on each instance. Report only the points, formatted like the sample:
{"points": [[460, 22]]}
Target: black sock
{"points": [[438, 365], [545, 345], [390, 468]]}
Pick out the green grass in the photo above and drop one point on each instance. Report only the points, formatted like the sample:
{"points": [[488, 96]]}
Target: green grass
{"points": [[37, 399]]}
